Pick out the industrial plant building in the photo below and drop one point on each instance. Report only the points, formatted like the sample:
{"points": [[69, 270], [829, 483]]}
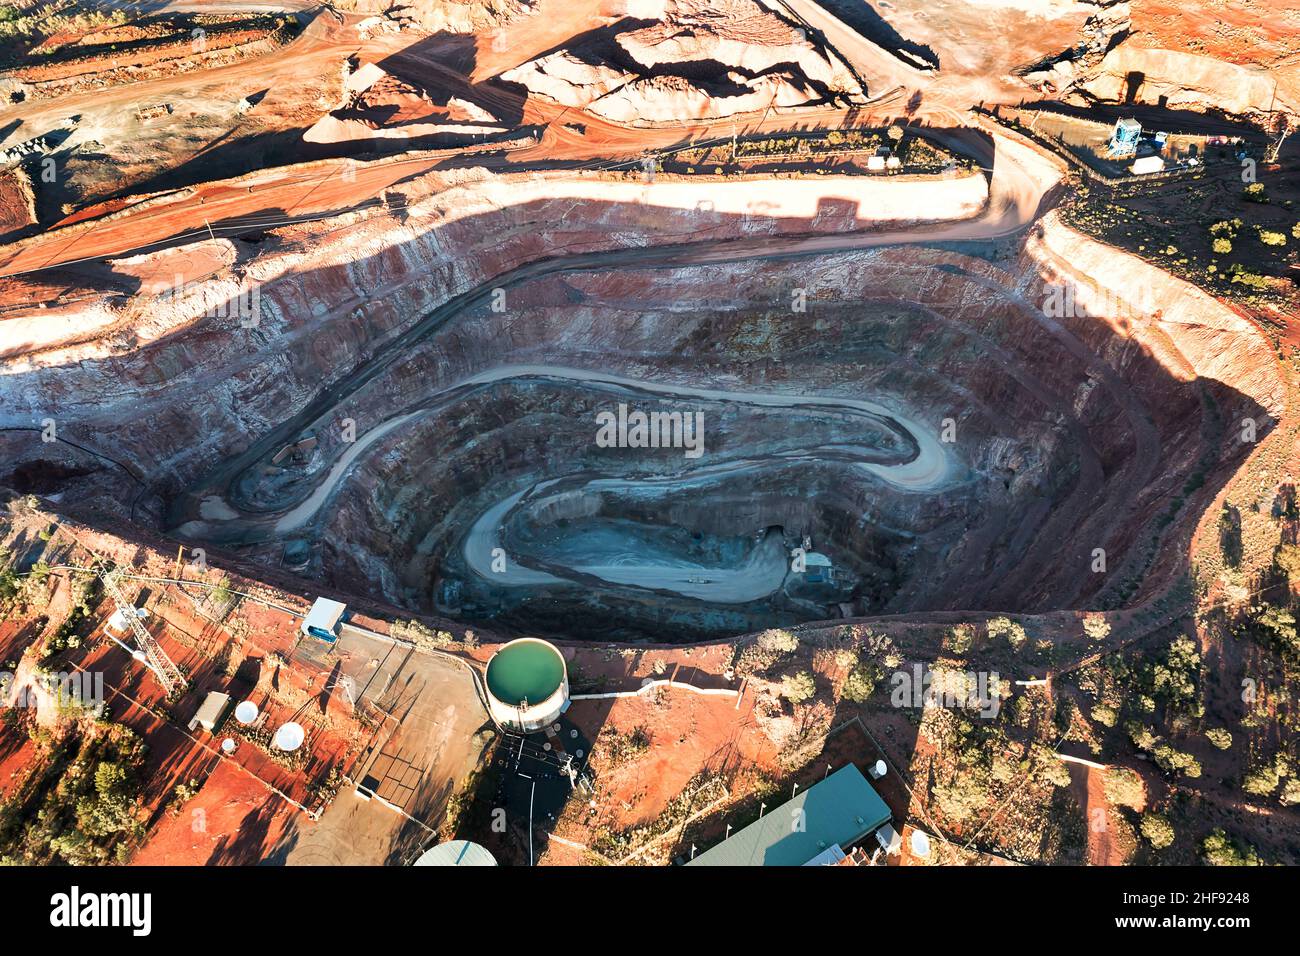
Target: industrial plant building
{"points": [[837, 812]]}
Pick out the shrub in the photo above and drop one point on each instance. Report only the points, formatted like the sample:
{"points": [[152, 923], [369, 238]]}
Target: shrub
{"points": [[1222, 246], [1124, 788], [798, 687], [1096, 626], [1271, 238], [1157, 829], [861, 683], [1219, 849], [1104, 715], [1254, 193], [1220, 737], [778, 641], [221, 594], [420, 634], [1251, 280], [1014, 631]]}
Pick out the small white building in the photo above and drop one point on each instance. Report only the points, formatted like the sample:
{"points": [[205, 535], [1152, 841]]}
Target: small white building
{"points": [[323, 620], [876, 164], [211, 711], [1147, 164]]}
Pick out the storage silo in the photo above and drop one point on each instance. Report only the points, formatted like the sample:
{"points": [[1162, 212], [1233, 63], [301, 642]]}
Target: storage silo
{"points": [[527, 684]]}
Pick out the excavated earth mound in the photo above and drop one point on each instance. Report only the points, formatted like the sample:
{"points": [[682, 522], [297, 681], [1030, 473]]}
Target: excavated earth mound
{"points": [[674, 60]]}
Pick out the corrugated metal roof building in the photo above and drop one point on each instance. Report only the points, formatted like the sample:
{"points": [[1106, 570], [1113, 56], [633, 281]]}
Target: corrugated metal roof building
{"points": [[838, 811]]}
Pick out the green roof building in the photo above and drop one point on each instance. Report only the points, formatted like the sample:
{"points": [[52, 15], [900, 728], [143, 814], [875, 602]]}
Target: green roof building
{"points": [[840, 810]]}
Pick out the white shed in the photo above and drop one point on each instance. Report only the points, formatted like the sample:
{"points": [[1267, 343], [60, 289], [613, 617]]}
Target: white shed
{"points": [[323, 620], [210, 711], [1147, 164]]}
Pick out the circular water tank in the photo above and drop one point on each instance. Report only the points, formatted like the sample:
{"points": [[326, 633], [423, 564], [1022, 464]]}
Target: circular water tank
{"points": [[920, 844], [528, 684], [246, 712], [456, 853]]}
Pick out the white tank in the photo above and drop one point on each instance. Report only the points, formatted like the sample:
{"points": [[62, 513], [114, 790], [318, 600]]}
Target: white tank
{"points": [[527, 684]]}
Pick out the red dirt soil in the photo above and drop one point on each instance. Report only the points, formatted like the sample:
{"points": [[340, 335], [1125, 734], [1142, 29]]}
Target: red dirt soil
{"points": [[232, 820]]}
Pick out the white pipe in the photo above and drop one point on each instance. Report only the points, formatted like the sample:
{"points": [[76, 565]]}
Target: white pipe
{"points": [[651, 685]]}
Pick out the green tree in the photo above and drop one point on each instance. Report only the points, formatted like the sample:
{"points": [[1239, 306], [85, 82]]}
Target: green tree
{"points": [[959, 638], [8, 584], [1219, 849], [1124, 788], [1176, 761], [1157, 829], [1287, 558], [1104, 715], [798, 687], [1096, 626], [1220, 737], [861, 683]]}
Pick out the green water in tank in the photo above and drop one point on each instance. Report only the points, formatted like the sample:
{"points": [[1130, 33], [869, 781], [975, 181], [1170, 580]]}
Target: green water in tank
{"points": [[528, 671]]}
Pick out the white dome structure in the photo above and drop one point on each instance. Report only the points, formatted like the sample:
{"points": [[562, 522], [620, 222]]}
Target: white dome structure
{"points": [[456, 853]]}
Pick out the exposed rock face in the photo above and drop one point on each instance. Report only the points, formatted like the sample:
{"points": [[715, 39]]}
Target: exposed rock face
{"points": [[450, 16], [700, 60], [663, 99], [569, 80], [1187, 81], [377, 105], [739, 33]]}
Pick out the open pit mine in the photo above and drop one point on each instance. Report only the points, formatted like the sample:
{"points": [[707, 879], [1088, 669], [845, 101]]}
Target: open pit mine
{"points": [[917, 417], [626, 413]]}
